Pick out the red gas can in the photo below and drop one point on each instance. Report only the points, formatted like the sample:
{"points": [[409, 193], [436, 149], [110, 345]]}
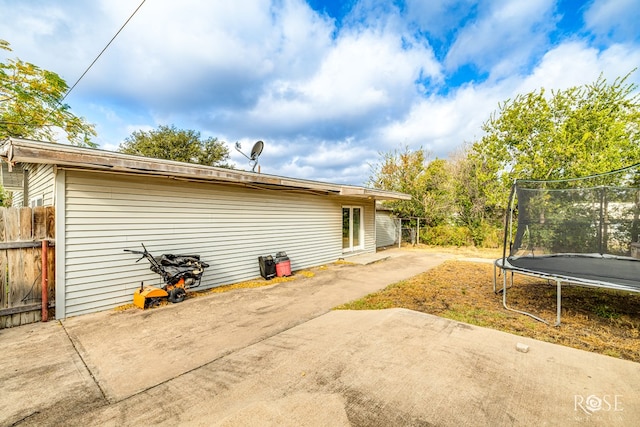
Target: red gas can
{"points": [[283, 268], [283, 265]]}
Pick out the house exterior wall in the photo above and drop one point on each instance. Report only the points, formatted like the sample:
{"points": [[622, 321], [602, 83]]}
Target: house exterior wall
{"points": [[99, 215], [369, 225], [17, 199], [386, 229], [40, 183]]}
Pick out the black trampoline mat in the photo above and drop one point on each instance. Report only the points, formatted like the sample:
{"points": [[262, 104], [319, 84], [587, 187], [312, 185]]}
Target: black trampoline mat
{"points": [[625, 272]]}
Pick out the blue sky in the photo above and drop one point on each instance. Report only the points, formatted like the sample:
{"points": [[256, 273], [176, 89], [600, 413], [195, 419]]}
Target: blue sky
{"points": [[328, 85]]}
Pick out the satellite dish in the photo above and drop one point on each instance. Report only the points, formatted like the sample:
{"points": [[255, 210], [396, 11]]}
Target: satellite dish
{"points": [[255, 153], [257, 150]]}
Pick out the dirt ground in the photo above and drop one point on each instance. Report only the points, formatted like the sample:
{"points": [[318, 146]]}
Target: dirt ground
{"points": [[596, 320]]}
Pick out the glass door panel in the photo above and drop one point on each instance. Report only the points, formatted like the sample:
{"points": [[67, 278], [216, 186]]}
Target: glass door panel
{"points": [[355, 228], [352, 231], [346, 221]]}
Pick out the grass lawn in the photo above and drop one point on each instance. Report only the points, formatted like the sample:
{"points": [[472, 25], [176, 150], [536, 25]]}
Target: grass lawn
{"points": [[597, 320]]}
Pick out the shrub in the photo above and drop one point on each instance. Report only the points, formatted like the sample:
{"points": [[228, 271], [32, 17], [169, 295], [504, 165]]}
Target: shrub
{"points": [[446, 235], [482, 236], [487, 236]]}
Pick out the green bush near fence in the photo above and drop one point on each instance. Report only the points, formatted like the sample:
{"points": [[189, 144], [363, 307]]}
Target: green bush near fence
{"points": [[446, 235], [488, 236], [483, 236]]}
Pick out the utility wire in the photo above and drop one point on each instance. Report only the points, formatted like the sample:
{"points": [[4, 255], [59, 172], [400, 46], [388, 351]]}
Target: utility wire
{"points": [[101, 52], [89, 67]]}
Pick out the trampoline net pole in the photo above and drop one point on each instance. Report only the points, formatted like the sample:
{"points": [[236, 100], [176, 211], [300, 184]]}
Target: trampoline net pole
{"points": [[559, 301], [495, 277], [504, 290]]}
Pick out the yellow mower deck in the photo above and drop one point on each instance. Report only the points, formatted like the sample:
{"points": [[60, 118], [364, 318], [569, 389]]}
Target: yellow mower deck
{"points": [[148, 295]]}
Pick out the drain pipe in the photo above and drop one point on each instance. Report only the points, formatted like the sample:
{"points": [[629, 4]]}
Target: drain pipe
{"points": [[45, 282]]}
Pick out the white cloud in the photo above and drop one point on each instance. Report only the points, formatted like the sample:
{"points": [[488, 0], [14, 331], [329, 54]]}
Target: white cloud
{"points": [[366, 74], [503, 37], [110, 147], [207, 54], [615, 19], [575, 63], [42, 32], [443, 123]]}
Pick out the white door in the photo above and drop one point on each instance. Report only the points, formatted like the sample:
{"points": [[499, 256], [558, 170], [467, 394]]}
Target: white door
{"points": [[352, 229]]}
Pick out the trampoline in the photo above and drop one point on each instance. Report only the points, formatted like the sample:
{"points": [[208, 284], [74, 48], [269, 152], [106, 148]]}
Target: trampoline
{"points": [[582, 231]]}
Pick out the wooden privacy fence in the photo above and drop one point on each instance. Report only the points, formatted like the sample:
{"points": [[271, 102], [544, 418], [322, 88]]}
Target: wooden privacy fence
{"points": [[22, 231]]}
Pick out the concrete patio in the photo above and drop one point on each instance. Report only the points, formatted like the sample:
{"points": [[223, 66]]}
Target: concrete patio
{"points": [[277, 355]]}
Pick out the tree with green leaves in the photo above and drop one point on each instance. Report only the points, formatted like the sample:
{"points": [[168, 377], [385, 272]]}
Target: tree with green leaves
{"points": [[429, 182], [438, 197], [402, 171], [569, 133], [31, 104], [170, 143]]}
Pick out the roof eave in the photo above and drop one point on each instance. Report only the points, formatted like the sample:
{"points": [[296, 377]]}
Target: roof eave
{"points": [[17, 150], [372, 193]]}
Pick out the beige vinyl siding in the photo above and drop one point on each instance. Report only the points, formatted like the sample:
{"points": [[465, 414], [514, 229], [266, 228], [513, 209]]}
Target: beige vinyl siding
{"points": [[17, 199], [369, 227], [228, 226], [386, 229], [40, 183]]}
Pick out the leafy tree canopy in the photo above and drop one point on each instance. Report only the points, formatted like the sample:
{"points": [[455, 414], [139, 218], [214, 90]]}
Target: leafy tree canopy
{"points": [[31, 104], [570, 133], [170, 143], [438, 197], [402, 171]]}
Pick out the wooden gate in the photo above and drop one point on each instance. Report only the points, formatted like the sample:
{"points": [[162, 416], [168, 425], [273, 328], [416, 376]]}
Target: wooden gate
{"points": [[22, 231]]}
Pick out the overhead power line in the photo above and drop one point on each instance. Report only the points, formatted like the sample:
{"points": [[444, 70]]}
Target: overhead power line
{"points": [[59, 102], [102, 51]]}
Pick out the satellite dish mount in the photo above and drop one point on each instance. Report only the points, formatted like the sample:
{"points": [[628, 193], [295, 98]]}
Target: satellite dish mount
{"points": [[255, 153]]}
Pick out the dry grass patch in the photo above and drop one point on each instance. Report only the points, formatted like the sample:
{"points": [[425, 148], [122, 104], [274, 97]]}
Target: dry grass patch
{"points": [[258, 283], [597, 320], [458, 251]]}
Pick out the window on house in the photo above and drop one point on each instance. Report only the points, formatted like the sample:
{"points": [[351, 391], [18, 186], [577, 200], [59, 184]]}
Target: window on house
{"points": [[36, 201]]}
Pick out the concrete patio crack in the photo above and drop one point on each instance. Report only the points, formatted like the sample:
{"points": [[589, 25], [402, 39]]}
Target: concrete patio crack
{"points": [[75, 345]]}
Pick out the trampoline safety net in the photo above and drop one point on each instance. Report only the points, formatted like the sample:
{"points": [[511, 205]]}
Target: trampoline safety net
{"points": [[599, 215]]}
